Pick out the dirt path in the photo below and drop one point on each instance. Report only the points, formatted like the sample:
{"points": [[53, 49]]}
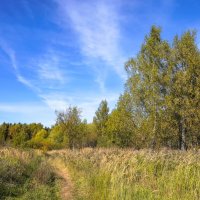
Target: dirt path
{"points": [[65, 181]]}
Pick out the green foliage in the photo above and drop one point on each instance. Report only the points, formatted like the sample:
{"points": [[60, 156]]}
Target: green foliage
{"points": [[91, 136], [57, 137], [72, 126], [164, 86], [4, 131], [148, 76], [184, 98], [25, 175], [160, 106], [100, 120], [121, 125], [40, 140], [34, 128], [18, 134]]}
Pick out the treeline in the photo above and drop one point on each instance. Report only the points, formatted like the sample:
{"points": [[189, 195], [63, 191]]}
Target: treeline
{"points": [[160, 106], [68, 132]]}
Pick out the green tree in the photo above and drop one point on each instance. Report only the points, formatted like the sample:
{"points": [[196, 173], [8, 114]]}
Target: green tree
{"points": [[100, 120], [34, 128], [121, 125], [148, 81], [91, 136], [4, 131], [41, 135], [72, 126], [184, 99], [18, 134], [57, 137]]}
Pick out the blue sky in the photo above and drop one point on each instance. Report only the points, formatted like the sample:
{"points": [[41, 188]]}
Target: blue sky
{"points": [[56, 53]]}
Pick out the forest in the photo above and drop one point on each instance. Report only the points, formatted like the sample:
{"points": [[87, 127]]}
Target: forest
{"points": [[159, 108]]}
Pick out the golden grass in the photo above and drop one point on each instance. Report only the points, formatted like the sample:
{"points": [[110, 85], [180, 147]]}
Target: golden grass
{"points": [[126, 174], [26, 175]]}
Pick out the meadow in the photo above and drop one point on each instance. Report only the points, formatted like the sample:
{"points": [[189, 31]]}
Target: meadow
{"points": [[117, 174], [26, 175], [99, 174]]}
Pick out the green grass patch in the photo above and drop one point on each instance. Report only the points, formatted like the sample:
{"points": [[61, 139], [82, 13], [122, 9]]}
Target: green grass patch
{"points": [[113, 174], [26, 175]]}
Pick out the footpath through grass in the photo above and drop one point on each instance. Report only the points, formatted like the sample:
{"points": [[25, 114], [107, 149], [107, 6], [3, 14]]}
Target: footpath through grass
{"points": [[99, 174], [26, 175], [114, 174]]}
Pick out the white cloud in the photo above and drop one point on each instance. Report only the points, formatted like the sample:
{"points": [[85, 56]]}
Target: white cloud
{"points": [[22, 108], [11, 55], [87, 102], [55, 101], [89, 105], [9, 52], [27, 82], [98, 29], [49, 69]]}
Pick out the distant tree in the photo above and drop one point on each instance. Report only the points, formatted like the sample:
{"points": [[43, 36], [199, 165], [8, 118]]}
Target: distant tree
{"points": [[41, 135], [34, 128], [72, 126], [100, 120], [40, 140], [17, 134], [57, 137], [4, 131], [121, 125], [91, 136]]}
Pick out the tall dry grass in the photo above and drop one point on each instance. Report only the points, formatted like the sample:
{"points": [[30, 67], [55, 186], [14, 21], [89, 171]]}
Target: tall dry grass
{"points": [[26, 175], [115, 174]]}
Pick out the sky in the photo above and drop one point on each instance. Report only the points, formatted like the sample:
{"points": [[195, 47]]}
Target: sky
{"points": [[60, 53]]}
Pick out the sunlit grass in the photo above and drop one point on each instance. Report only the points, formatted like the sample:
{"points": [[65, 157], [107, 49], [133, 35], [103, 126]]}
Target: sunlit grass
{"points": [[26, 175], [107, 174]]}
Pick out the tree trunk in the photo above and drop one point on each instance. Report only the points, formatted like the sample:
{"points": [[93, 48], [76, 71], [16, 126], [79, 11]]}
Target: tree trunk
{"points": [[154, 141], [182, 135]]}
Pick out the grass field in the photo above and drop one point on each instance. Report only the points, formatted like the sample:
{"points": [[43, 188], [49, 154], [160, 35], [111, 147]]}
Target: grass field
{"points": [[26, 175], [101, 174], [133, 175]]}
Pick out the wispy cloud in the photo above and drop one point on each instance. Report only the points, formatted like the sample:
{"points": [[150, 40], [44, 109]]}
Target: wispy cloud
{"points": [[90, 105], [27, 82], [97, 26], [47, 72], [49, 69], [55, 100], [22, 108], [9, 52], [88, 102], [11, 55], [27, 8]]}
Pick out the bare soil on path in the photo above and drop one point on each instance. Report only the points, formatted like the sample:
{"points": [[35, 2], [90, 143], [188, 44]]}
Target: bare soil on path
{"points": [[66, 185]]}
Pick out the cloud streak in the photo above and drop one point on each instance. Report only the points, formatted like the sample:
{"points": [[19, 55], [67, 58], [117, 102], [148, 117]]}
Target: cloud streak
{"points": [[11, 55], [96, 26], [49, 69], [98, 30]]}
